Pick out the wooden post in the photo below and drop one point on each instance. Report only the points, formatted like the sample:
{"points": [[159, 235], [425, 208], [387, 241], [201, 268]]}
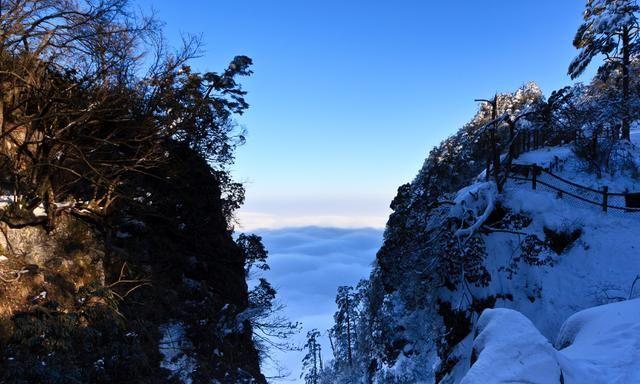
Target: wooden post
{"points": [[534, 175], [605, 198]]}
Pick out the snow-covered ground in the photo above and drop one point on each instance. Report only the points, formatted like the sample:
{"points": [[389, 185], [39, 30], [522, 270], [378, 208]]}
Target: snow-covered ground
{"points": [[600, 345], [597, 345], [574, 169]]}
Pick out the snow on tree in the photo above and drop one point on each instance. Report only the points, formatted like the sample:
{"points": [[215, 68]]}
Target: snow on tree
{"points": [[344, 329], [610, 28], [312, 362]]}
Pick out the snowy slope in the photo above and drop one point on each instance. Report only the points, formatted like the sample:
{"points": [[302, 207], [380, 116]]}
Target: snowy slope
{"points": [[599, 267], [600, 345]]}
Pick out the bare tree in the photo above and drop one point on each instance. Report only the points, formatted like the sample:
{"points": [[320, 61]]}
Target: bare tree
{"points": [[77, 119]]}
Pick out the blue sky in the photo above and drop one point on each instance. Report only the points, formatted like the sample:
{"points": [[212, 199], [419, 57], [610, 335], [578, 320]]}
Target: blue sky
{"points": [[348, 97]]}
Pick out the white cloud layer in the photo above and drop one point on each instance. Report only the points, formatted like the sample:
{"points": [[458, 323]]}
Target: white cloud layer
{"points": [[307, 266], [286, 211], [250, 221]]}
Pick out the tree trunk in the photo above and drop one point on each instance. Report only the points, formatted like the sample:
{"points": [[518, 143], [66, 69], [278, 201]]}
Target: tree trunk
{"points": [[594, 143], [494, 142], [50, 207], [315, 366], [349, 334], [333, 348], [1, 115], [626, 63]]}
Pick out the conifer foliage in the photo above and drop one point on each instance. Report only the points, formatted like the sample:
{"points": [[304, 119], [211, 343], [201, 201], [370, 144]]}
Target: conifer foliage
{"points": [[312, 361], [610, 28]]}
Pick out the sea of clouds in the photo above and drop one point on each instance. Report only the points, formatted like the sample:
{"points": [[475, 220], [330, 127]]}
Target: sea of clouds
{"points": [[307, 266]]}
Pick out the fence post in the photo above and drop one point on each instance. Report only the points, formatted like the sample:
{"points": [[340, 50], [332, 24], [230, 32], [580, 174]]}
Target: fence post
{"points": [[533, 140], [605, 198], [534, 176]]}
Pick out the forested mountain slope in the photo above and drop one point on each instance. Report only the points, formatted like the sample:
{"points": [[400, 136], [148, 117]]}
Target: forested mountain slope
{"points": [[455, 245], [117, 261]]}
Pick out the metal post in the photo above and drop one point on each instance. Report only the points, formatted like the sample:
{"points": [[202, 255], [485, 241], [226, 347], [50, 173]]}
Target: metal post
{"points": [[605, 198]]}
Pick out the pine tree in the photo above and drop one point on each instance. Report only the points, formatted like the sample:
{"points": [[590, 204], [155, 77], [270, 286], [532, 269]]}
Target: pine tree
{"points": [[312, 361], [610, 28], [255, 254], [344, 328]]}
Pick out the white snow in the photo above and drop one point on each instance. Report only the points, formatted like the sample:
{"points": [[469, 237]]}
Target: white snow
{"points": [[511, 349], [598, 268], [477, 202], [544, 156], [172, 347], [600, 345]]}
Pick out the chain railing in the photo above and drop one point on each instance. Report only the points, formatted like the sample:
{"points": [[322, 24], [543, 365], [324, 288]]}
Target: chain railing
{"points": [[543, 179], [522, 141]]}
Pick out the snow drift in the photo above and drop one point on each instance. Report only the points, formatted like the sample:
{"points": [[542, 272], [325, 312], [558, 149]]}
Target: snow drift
{"points": [[600, 345]]}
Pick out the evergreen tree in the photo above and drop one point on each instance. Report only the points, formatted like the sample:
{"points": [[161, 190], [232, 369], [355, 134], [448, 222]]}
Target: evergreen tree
{"points": [[312, 361], [255, 254], [610, 28], [344, 329]]}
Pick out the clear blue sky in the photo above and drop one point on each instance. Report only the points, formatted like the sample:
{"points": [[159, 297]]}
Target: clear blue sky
{"points": [[348, 97]]}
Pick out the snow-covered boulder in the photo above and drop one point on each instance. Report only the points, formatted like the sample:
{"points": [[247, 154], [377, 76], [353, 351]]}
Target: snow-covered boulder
{"points": [[602, 344], [599, 345], [510, 349]]}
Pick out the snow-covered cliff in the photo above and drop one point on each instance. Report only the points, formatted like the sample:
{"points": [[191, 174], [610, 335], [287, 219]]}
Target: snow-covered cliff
{"points": [[459, 243]]}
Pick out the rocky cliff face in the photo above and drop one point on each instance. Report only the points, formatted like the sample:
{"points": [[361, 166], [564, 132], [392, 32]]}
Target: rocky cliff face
{"points": [[153, 298]]}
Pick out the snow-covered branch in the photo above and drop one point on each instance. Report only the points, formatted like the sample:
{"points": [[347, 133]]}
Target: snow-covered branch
{"points": [[476, 198]]}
